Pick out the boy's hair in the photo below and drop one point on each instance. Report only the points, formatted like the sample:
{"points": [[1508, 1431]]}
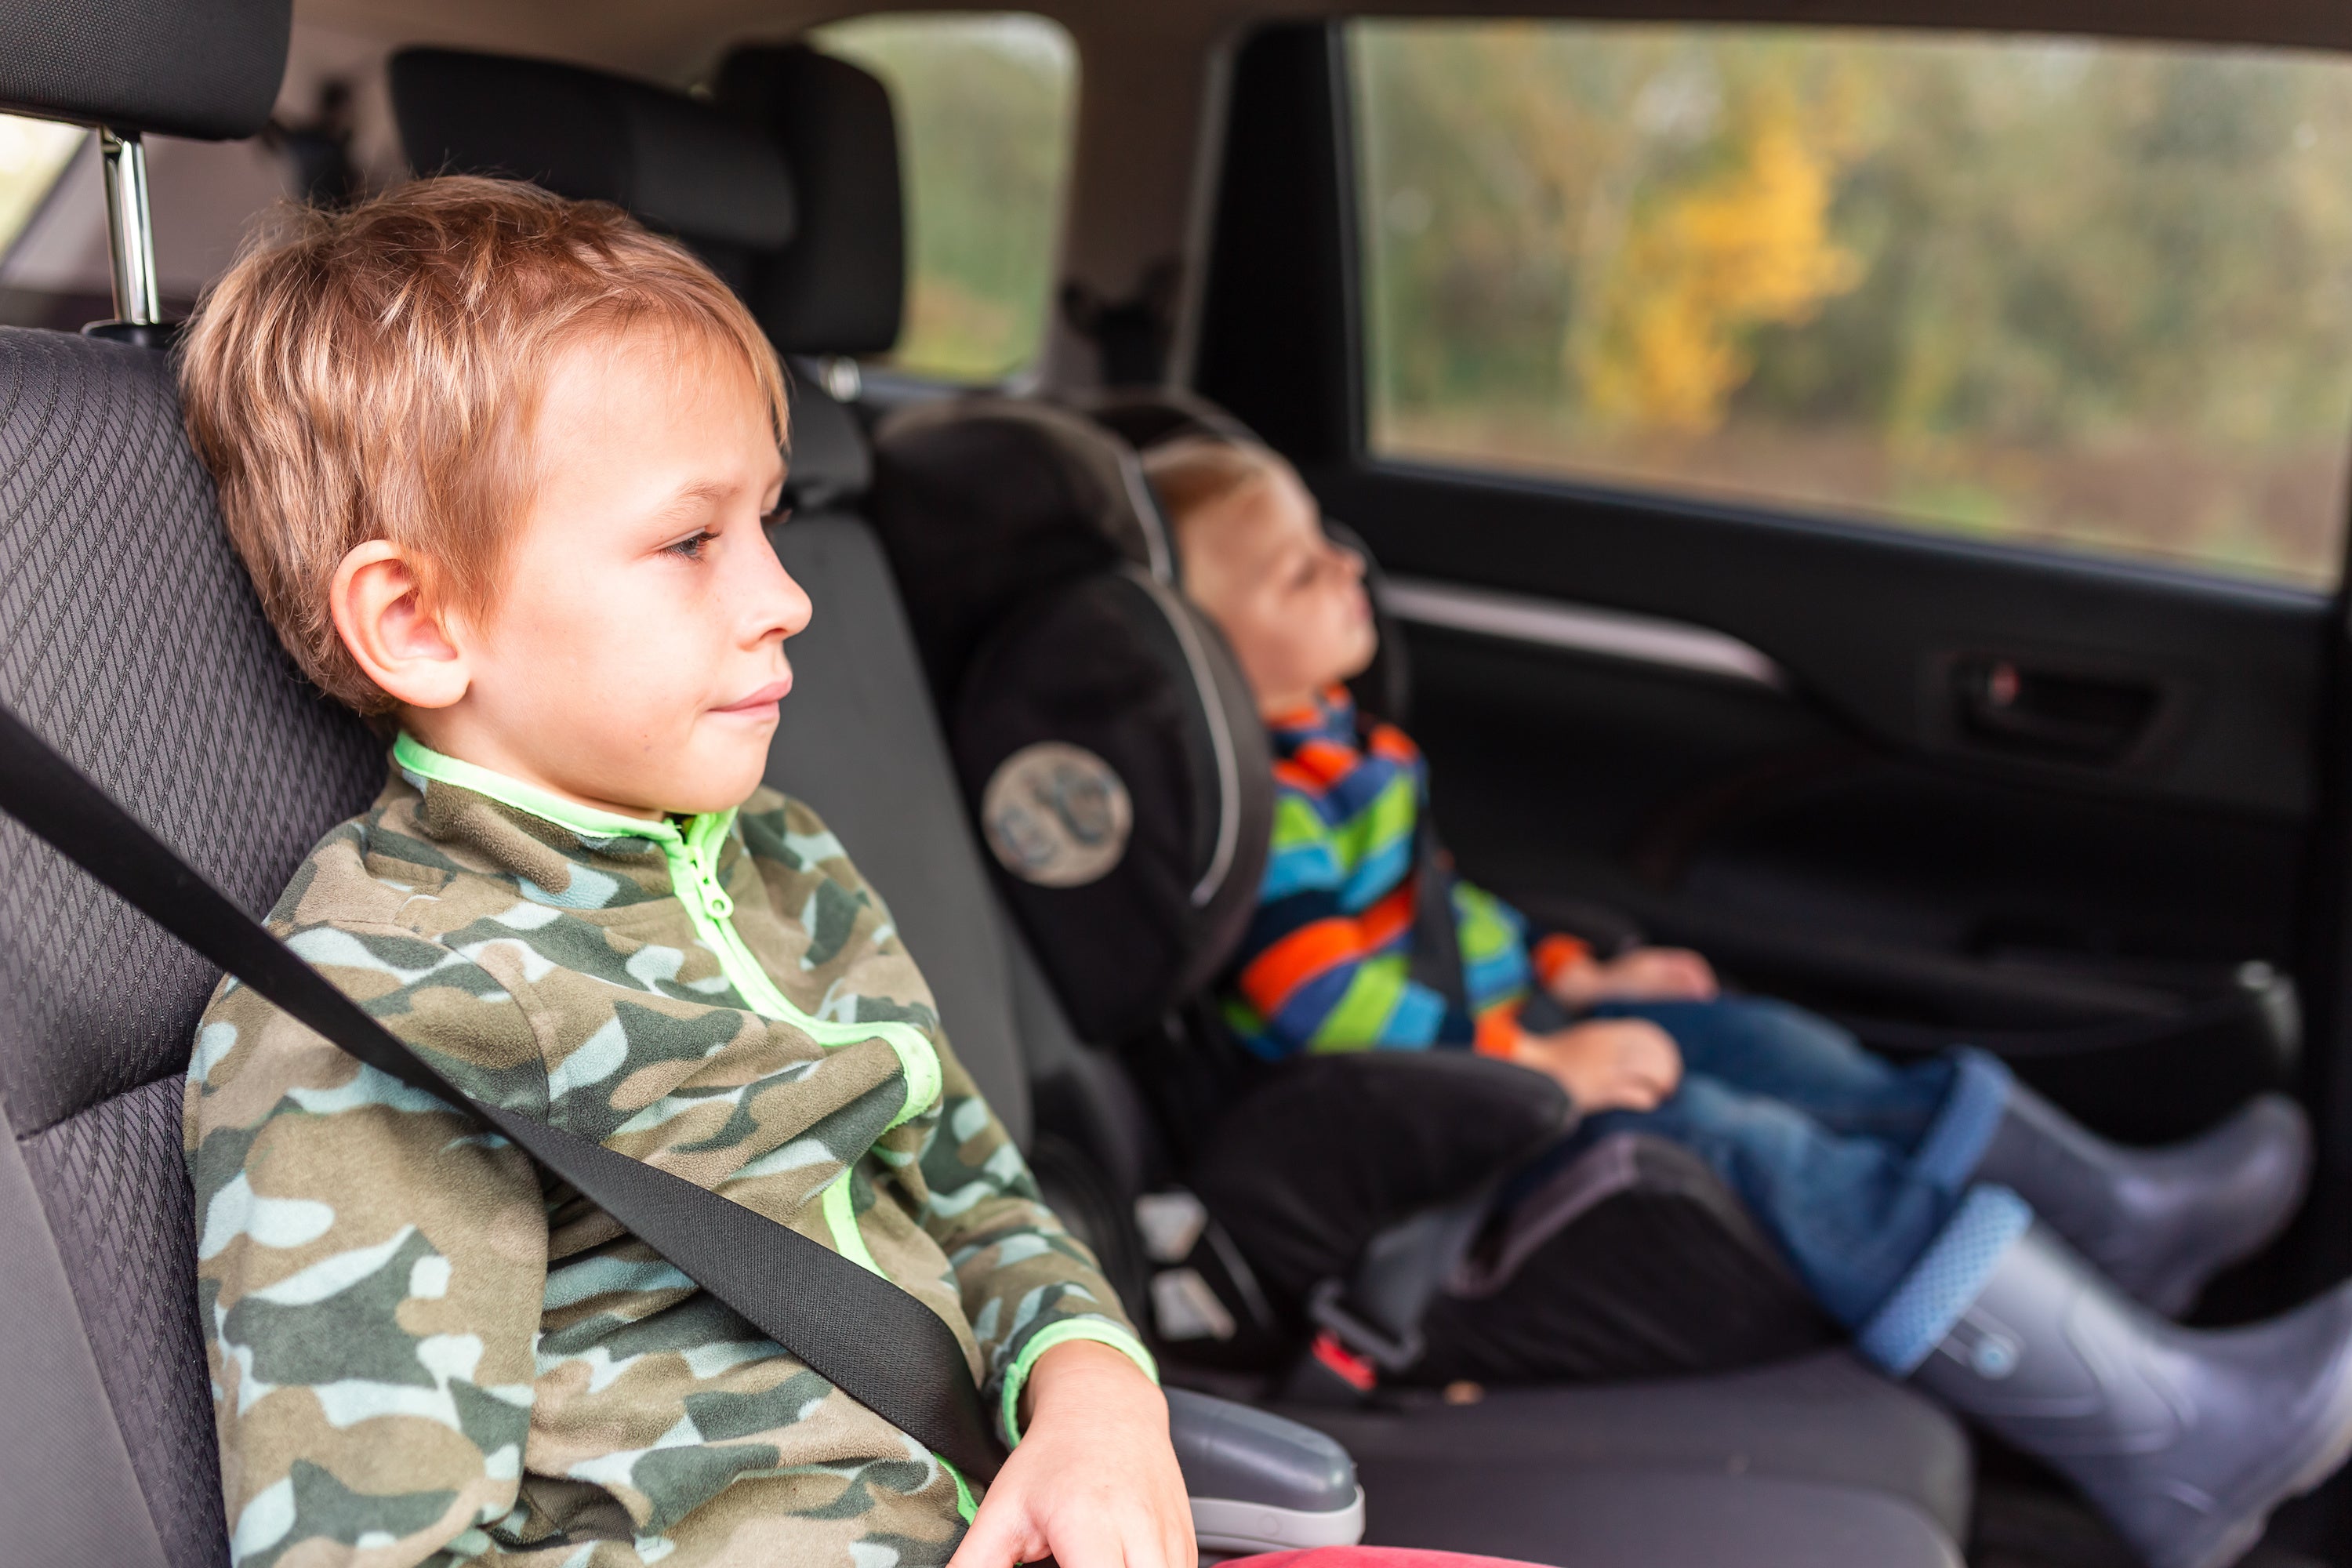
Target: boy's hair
{"points": [[374, 373], [1197, 473]]}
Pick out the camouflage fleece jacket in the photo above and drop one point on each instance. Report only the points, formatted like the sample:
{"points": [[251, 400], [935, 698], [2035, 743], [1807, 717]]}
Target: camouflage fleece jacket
{"points": [[425, 1349]]}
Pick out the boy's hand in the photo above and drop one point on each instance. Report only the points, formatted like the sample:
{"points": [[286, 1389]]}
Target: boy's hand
{"points": [[1644, 975], [1610, 1064], [1093, 1482]]}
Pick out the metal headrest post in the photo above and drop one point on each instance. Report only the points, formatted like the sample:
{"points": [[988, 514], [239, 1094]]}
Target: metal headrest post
{"points": [[131, 244], [130, 234]]}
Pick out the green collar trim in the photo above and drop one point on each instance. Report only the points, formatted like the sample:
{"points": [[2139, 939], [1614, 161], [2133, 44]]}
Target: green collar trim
{"points": [[414, 756]]}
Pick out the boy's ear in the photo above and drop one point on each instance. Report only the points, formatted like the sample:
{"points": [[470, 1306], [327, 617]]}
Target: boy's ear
{"points": [[394, 633]]}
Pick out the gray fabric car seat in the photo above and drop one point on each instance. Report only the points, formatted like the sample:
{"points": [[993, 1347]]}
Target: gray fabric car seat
{"points": [[129, 638]]}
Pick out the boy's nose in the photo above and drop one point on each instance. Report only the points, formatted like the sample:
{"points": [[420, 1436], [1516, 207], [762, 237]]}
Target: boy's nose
{"points": [[775, 602], [792, 605]]}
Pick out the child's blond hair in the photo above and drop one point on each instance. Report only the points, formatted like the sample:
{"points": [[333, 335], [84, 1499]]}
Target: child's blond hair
{"points": [[1196, 474], [374, 373]]}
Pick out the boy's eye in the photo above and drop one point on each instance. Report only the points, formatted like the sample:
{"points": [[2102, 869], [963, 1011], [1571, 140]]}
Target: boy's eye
{"points": [[691, 547], [778, 517]]}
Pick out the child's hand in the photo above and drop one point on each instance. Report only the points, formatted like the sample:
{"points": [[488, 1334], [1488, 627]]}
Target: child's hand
{"points": [[1644, 975], [1093, 1482], [1610, 1064]]}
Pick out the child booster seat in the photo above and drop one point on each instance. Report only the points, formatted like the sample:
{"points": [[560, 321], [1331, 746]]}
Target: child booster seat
{"points": [[1113, 758], [1099, 722]]}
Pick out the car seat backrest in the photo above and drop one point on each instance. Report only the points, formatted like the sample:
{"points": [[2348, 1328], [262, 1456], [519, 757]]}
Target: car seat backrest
{"points": [[129, 638], [681, 166]]}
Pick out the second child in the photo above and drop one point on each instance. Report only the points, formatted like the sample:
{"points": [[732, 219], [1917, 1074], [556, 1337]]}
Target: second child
{"points": [[1965, 1232]]}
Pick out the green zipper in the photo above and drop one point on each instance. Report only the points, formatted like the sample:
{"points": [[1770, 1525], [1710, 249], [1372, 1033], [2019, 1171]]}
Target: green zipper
{"points": [[694, 872], [693, 857]]}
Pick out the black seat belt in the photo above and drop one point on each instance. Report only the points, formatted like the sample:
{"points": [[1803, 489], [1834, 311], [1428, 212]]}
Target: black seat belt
{"points": [[1436, 951], [857, 1330]]}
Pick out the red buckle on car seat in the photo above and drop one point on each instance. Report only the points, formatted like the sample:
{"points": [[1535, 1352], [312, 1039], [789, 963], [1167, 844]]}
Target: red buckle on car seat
{"points": [[1345, 1364]]}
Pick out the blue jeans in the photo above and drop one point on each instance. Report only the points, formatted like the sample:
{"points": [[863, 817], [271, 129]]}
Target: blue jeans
{"points": [[1852, 1164]]}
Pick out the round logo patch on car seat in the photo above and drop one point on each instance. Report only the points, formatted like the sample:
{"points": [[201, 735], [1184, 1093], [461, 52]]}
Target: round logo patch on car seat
{"points": [[1056, 815]]}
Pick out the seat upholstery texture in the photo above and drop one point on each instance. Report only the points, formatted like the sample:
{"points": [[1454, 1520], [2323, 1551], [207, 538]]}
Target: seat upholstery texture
{"points": [[129, 638], [209, 70]]}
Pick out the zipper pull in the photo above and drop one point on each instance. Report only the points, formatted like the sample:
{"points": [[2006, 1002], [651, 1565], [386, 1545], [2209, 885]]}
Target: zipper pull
{"points": [[702, 859]]}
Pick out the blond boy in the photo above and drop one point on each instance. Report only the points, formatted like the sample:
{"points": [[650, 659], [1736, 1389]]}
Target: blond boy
{"points": [[499, 466]]}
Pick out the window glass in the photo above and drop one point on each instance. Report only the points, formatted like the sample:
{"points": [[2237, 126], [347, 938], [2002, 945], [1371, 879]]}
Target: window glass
{"points": [[2095, 295], [33, 154], [985, 105]]}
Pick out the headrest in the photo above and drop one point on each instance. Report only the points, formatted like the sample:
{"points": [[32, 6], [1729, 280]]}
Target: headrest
{"points": [[680, 165], [983, 500], [210, 71], [1106, 739], [840, 287]]}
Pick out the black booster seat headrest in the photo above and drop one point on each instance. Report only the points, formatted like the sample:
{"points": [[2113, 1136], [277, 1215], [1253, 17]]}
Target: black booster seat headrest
{"points": [[1104, 738]]}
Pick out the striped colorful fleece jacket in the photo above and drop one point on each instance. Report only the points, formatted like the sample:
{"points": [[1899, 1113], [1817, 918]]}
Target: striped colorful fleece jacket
{"points": [[1326, 963]]}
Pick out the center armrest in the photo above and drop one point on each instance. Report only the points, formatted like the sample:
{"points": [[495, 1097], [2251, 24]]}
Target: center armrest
{"points": [[1261, 1482]]}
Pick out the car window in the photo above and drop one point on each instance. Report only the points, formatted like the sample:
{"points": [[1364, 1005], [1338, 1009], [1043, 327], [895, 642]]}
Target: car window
{"points": [[2090, 295], [985, 104], [33, 154]]}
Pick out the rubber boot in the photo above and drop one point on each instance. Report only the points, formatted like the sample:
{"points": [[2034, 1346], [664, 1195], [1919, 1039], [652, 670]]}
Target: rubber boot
{"points": [[2159, 1223], [2184, 1439]]}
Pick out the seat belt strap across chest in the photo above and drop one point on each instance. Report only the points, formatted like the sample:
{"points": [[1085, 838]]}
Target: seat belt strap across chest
{"points": [[865, 1335]]}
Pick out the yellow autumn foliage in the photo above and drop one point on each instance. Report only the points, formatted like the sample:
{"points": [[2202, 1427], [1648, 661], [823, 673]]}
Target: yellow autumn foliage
{"points": [[1704, 265]]}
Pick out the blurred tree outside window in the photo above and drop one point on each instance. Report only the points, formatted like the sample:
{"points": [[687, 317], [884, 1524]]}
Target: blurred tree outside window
{"points": [[33, 154], [2090, 295], [985, 105]]}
